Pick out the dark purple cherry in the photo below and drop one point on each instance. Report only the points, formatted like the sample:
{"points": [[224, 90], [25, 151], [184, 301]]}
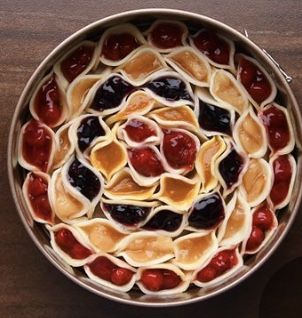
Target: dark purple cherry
{"points": [[171, 88], [165, 220], [230, 167], [88, 130], [129, 215], [207, 212], [214, 118], [111, 93], [84, 180]]}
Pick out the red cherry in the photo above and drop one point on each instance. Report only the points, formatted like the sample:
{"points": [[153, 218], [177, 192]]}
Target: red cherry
{"points": [[65, 239], [282, 169], [213, 46], [263, 218], [76, 62], [207, 274], [102, 267], [138, 131], [35, 134], [179, 149], [118, 46], [42, 207], [152, 279], [233, 257], [37, 185], [121, 276], [167, 35], [221, 262], [145, 161], [279, 192], [247, 72], [260, 90], [256, 238], [171, 279], [79, 251], [52, 115]]}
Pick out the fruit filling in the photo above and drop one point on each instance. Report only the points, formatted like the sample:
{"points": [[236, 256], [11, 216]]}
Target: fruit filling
{"points": [[158, 279], [214, 118], [84, 180], [263, 221], [37, 145], [103, 268], [129, 215], [111, 93], [145, 161], [77, 61], [167, 35], [179, 149], [219, 264], [138, 130], [118, 46], [88, 130], [207, 212], [47, 102], [37, 188], [213, 46], [275, 121], [254, 80], [70, 245], [282, 178]]}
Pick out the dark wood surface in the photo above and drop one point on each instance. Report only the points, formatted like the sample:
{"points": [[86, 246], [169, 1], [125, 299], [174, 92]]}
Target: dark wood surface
{"points": [[29, 30]]}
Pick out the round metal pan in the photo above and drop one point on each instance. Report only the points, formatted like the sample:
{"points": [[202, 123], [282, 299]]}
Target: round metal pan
{"points": [[16, 175]]}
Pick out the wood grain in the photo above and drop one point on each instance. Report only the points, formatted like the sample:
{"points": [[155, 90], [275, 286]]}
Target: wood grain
{"points": [[30, 286]]}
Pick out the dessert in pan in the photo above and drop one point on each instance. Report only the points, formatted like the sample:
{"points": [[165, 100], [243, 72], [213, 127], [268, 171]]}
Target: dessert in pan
{"points": [[157, 157]]}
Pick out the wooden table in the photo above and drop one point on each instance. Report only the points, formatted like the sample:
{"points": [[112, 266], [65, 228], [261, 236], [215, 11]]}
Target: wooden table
{"points": [[29, 285]]}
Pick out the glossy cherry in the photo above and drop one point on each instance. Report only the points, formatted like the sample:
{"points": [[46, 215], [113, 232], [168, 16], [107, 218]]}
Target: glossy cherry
{"points": [[179, 149], [37, 144], [77, 61], [254, 80], [207, 212], [167, 35], [256, 238], [111, 93], [214, 118], [282, 177], [145, 161], [129, 215], [263, 218], [47, 102], [171, 88], [277, 127], [121, 276], [219, 264], [139, 131], [37, 188], [118, 46], [70, 245], [165, 220], [159, 279], [83, 179], [88, 129], [230, 167], [213, 46]]}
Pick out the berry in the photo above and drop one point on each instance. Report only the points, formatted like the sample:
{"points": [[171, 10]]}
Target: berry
{"points": [[102, 267], [152, 279], [37, 185], [121, 276], [256, 238], [171, 279], [263, 218], [146, 162], [207, 274]]}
